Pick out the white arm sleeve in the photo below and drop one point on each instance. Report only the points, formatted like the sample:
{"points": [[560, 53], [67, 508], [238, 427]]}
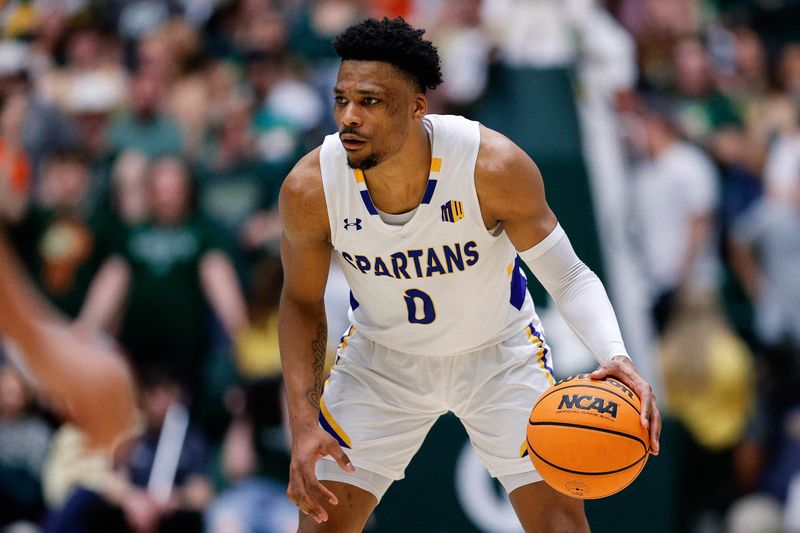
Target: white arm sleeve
{"points": [[578, 294]]}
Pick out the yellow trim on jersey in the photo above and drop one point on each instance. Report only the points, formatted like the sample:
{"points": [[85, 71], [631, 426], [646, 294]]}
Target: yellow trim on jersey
{"points": [[332, 423], [523, 449], [343, 344], [510, 269], [536, 341], [359, 175], [458, 210], [436, 164]]}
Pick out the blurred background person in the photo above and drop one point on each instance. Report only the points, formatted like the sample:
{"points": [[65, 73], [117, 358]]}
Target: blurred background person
{"points": [[238, 190], [16, 173], [146, 127], [155, 285], [765, 250], [674, 182], [126, 500], [60, 239], [24, 444], [39, 127]]}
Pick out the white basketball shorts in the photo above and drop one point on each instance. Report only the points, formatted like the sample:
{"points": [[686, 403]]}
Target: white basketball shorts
{"points": [[380, 403]]}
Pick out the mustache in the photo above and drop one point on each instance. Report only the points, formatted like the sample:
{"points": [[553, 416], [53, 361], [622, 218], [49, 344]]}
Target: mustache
{"points": [[351, 131]]}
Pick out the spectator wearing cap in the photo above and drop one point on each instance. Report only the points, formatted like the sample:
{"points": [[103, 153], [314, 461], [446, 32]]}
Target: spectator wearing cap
{"points": [[90, 57], [90, 103]]}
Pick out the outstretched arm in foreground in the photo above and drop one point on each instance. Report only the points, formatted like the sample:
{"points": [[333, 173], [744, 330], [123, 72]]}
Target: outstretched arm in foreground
{"points": [[511, 192], [303, 331], [85, 376]]}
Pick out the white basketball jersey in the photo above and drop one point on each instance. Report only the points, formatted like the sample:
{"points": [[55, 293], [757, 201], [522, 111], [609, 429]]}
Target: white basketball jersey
{"points": [[440, 284]]}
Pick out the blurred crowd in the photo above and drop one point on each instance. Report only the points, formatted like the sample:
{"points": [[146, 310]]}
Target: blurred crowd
{"points": [[142, 147], [713, 137]]}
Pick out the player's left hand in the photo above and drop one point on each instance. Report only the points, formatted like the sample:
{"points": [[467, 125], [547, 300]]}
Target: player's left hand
{"points": [[621, 368]]}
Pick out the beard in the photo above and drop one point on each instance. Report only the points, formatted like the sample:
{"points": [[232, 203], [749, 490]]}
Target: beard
{"points": [[365, 164]]}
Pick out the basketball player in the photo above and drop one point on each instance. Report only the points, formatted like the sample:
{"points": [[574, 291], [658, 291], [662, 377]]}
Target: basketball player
{"points": [[427, 216], [84, 378]]}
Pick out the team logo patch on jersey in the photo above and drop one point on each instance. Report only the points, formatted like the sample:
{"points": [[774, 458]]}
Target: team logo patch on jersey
{"points": [[356, 224], [452, 211]]}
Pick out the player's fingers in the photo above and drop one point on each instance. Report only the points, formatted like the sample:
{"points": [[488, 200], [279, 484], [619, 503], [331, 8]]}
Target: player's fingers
{"points": [[312, 484], [628, 377], [335, 451], [308, 512], [645, 393], [306, 507], [655, 429], [312, 503], [614, 368], [625, 373], [325, 492], [308, 503], [600, 373], [297, 489], [295, 493]]}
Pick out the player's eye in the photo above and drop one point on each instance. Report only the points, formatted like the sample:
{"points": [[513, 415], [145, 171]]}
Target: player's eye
{"points": [[340, 100], [370, 100]]}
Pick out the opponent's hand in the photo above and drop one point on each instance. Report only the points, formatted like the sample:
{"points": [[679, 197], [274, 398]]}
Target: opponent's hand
{"points": [[305, 490], [621, 368]]}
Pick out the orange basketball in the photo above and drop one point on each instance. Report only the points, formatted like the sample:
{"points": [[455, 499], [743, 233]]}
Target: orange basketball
{"points": [[585, 437]]}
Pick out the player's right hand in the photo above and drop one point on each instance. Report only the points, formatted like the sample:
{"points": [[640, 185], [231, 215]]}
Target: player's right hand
{"points": [[309, 445]]}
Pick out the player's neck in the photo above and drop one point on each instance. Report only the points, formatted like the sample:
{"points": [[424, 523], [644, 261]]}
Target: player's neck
{"points": [[398, 183]]}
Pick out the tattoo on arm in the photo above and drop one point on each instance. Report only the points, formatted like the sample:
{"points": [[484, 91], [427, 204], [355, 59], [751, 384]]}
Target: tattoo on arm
{"points": [[318, 364]]}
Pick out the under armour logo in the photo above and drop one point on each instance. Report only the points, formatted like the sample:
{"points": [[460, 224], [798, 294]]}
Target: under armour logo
{"points": [[356, 224]]}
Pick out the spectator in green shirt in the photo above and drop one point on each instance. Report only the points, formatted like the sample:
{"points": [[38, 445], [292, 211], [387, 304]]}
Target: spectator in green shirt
{"points": [[160, 276], [59, 237], [238, 190]]}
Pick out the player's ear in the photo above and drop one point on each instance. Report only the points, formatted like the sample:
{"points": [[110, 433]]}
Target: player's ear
{"points": [[420, 106]]}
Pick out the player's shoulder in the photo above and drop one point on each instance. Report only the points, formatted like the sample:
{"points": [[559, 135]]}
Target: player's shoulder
{"points": [[302, 195], [304, 181], [504, 174], [500, 159]]}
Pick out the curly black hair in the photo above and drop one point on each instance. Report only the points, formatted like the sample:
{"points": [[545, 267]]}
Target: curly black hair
{"points": [[394, 42]]}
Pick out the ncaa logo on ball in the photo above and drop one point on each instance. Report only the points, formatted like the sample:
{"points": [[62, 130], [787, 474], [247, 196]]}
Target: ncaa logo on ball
{"points": [[586, 402]]}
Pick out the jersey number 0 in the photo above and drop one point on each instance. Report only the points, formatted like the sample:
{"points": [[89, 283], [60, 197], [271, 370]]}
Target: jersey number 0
{"points": [[412, 297]]}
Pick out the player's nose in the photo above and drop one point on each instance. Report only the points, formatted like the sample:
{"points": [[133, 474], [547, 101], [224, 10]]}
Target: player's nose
{"points": [[350, 116]]}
